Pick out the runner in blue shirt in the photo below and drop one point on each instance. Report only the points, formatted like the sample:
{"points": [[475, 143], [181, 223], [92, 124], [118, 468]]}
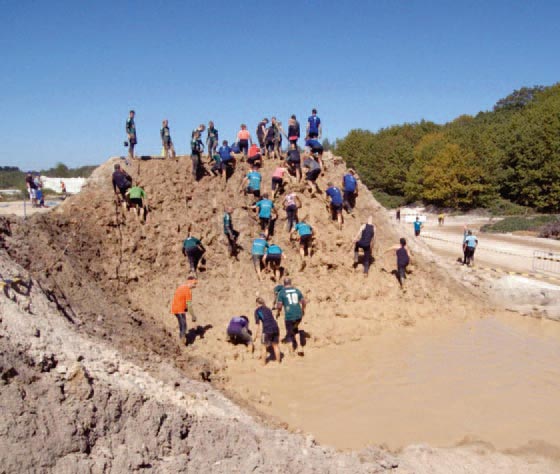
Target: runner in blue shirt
{"points": [[350, 187], [335, 203], [267, 213], [469, 245], [258, 251], [273, 259], [252, 183], [417, 226], [305, 232], [316, 150], [227, 160], [314, 125]]}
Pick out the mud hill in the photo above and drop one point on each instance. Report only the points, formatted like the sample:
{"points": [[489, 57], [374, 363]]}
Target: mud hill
{"points": [[111, 279]]}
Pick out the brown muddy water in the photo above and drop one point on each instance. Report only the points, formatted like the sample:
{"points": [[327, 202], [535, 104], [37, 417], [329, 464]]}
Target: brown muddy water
{"points": [[495, 379]]}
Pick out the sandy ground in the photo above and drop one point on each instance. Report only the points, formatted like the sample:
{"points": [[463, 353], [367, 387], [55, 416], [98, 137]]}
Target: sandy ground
{"points": [[21, 208]]}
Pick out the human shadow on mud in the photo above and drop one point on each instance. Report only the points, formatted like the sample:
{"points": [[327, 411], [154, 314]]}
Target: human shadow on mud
{"points": [[199, 331]]}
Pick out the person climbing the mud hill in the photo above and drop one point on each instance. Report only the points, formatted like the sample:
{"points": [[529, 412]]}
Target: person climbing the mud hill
{"points": [[335, 196], [123, 182], [227, 160], [138, 201], [469, 246], [193, 250], [364, 239], [251, 184], [291, 205], [403, 259], [196, 155], [293, 161], [166, 142], [417, 226], [277, 185], [272, 139], [258, 251], [267, 214], [244, 139], [293, 130], [131, 135], [316, 149], [270, 330], [314, 128], [273, 260], [238, 332], [306, 234], [230, 232], [350, 188], [313, 171], [261, 134], [182, 304], [211, 139], [216, 168], [293, 302], [254, 157]]}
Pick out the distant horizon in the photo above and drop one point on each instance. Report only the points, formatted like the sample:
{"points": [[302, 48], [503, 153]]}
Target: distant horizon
{"points": [[71, 72]]}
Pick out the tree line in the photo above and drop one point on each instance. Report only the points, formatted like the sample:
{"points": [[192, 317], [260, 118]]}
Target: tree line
{"points": [[13, 177], [510, 153]]}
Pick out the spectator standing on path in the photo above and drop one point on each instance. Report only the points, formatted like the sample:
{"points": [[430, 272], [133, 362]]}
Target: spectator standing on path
{"points": [[417, 226], [230, 232], [182, 303], [293, 302], [166, 142], [193, 250], [403, 259], [365, 238], [211, 140], [314, 125], [131, 134], [270, 331], [350, 187], [469, 246]]}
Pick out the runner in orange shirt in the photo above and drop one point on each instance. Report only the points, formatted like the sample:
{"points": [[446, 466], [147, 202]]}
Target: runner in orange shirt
{"points": [[182, 302]]}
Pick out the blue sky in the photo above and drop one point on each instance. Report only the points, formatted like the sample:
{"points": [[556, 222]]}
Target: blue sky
{"points": [[71, 70]]}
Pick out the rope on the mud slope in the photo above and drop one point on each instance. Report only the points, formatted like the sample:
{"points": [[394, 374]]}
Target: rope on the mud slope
{"points": [[428, 236]]}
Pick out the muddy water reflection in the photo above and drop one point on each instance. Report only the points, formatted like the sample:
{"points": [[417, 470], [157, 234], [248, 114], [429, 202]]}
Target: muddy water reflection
{"points": [[495, 379]]}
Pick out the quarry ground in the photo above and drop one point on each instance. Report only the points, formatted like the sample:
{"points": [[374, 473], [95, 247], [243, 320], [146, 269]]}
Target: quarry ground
{"points": [[96, 380]]}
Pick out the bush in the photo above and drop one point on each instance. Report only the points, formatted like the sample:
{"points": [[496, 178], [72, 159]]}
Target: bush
{"points": [[503, 207], [388, 201], [550, 231], [517, 223]]}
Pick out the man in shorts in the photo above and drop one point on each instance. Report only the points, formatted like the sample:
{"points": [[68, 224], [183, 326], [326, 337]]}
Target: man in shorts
{"points": [[305, 232], [403, 259], [364, 240], [258, 251], [193, 250], [238, 332], [417, 226], [350, 187], [267, 214], [131, 134], [123, 182], [316, 149], [294, 162], [227, 160], [251, 184], [273, 260], [293, 302], [182, 303], [254, 158], [270, 331], [261, 134], [313, 125], [166, 142], [196, 155], [335, 196], [313, 171], [31, 189], [278, 181], [469, 246], [291, 205], [211, 139], [137, 201]]}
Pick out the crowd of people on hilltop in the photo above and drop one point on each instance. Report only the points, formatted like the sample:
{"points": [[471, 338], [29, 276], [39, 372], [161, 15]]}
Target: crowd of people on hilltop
{"points": [[294, 166]]}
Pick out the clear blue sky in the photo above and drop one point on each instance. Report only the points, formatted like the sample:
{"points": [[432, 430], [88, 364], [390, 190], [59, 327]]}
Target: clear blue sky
{"points": [[71, 70]]}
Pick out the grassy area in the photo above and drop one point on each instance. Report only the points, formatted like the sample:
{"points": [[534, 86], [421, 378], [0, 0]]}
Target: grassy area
{"points": [[503, 207], [388, 201], [520, 223]]}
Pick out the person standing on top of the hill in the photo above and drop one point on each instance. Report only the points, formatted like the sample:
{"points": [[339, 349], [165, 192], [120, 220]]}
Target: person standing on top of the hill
{"points": [[200, 129], [270, 330], [305, 232], [278, 181], [273, 260], [261, 134], [469, 246], [314, 170], [258, 251], [182, 303], [196, 155], [291, 205], [293, 302], [293, 162], [267, 214], [244, 139], [238, 332], [193, 250], [131, 134], [272, 139], [403, 259], [364, 239], [335, 203], [227, 160], [316, 149], [138, 201], [314, 125], [251, 184], [350, 187], [417, 226], [166, 141], [293, 130], [211, 140], [230, 232], [121, 181]]}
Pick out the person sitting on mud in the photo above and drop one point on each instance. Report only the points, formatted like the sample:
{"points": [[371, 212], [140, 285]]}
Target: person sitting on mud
{"points": [[293, 302], [403, 259], [121, 181], [193, 250], [278, 181], [291, 205], [251, 184], [365, 238], [273, 260], [254, 156], [238, 332], [469, 246], [267, 214], [293, 162], [270, 331], [258, 251], [230, 232], [350, 188], [138, 201], [314, 170], [306, 234], [182, 303], [336, 201]]}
